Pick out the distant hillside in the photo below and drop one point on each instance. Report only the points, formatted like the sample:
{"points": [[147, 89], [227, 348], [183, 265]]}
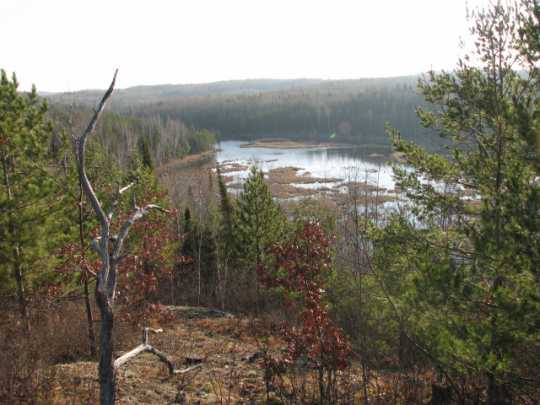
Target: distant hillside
{"points": [[163, 92], [356, 111], [132, 96]]}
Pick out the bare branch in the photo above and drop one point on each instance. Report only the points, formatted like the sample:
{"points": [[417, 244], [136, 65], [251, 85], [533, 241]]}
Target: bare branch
{"points": [[124, 189], [119, 259], [142, 348], [129, 355], [156, 207], [81, 147], [187, 370], [96, 246], [119, 193], [88, 270], [138, 214], [145, 347]]}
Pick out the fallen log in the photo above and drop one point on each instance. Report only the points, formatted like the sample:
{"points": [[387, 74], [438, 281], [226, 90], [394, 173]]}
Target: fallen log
{"points": [[145, 347]]}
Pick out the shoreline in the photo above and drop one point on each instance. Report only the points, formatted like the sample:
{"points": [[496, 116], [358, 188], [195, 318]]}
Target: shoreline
{"points": [[187, 161], [289, 144]]}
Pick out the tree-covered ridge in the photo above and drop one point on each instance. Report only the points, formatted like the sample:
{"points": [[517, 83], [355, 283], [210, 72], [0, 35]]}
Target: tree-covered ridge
{"points": [[312, 114], [356, 111], [139, 95], [124, 136]]}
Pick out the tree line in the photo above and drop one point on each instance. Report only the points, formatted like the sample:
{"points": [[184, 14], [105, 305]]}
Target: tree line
{"points": [[316, 114], [346, 111], [123, 136]]}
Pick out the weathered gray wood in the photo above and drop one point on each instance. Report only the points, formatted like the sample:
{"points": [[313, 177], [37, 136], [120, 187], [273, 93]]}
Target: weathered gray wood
{"points": [[145, 347], [129, 355], [119, 193], [188, 369]]}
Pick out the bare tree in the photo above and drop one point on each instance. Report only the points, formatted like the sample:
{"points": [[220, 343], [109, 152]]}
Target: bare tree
{"points": [[109, 247], [86, 273], [84, 269]]}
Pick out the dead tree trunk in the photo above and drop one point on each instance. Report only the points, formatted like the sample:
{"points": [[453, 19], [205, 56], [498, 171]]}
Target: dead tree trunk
{"points": [[109, 249], [89, 320], [84, 272], [106, 371]]}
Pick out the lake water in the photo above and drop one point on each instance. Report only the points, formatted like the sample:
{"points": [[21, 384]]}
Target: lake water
{"points": [[347, 164]]}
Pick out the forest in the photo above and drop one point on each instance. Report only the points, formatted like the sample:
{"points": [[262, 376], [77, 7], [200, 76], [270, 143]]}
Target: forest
{"points": [[356, 111], [130, 276], [124, 136]]}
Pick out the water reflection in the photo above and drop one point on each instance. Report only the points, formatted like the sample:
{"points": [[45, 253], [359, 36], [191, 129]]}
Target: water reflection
{"points": [[346, 164]]}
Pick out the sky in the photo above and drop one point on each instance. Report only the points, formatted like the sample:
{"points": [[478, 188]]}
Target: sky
{"points": [[69, 45]]}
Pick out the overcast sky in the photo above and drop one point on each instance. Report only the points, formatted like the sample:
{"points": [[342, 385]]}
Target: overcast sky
{"points": [[67, 45]]}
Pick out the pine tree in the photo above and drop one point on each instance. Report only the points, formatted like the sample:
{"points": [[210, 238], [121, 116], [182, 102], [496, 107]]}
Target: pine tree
{"points": [[145, 153], [469, 275], [188, 247], [227, 216], [27, 188], [259, 223], [225, 240], [208, 263]]}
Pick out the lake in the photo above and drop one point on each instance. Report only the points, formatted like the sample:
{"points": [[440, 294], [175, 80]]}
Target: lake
{"points": [[334, 166]]}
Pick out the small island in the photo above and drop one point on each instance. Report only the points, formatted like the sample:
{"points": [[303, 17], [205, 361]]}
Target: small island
{"points": [[282, 143]]}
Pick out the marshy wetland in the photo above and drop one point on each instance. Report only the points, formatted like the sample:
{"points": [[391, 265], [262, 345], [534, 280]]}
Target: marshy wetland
{"points": [[308, 170]]}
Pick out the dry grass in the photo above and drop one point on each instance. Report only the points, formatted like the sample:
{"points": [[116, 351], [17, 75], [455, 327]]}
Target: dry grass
{"points": [[187, 182], [58, 335], [285, 191], [183, 181], [361, 186], [231, 348], [232, 351], [224, 345], [230, 167], [187, 161], [288, 175]]}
